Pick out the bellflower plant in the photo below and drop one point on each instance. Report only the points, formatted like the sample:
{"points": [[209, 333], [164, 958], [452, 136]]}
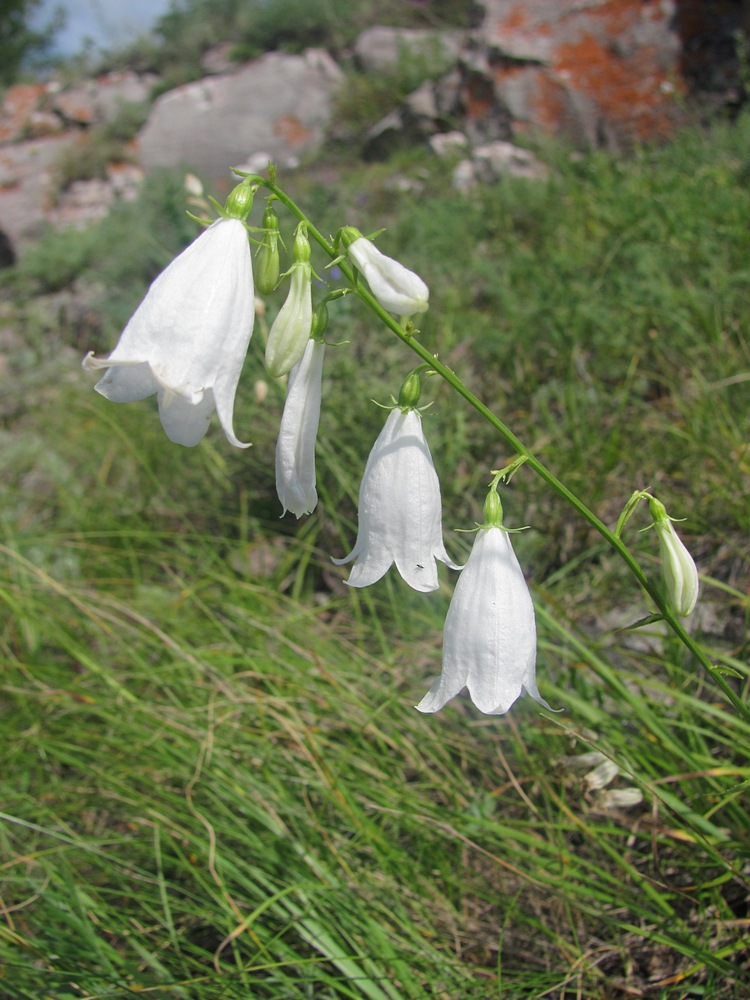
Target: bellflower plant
{"points": [[186, 343], [291, 328], [489, 640], [295, 446], [187, 340], [400, 517], [397, 289], [678, 568]]}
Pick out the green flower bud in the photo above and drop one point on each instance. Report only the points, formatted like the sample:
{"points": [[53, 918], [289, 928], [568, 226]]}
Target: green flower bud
{"points": [[301, 247], [410, 392], [320, 321], [267, 260], [240, 202]]}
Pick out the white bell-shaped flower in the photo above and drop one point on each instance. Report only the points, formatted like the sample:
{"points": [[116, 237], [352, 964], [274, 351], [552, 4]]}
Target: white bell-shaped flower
{"points": [[397, 289], [400, 518], [295, 446], [187, 340], [678, 567], [489, 640]]}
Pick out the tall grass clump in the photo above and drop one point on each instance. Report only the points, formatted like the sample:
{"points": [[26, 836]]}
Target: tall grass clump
{"points": [[214, 782]]}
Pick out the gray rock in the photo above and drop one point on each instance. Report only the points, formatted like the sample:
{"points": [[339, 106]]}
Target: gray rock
{"points": [[87, 201], [279, 105], [218, 60], [96, 101], [496, 159], [447, 144], [27, 184], [380, 48], [463, 96]]}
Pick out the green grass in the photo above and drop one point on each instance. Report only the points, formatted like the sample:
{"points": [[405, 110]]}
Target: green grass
{"points": [[213, 780]]}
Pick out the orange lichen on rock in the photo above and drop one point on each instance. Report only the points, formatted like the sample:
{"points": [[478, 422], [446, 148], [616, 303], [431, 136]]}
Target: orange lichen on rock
{"points": [[632, 93], [291, 130], [548, 103], [19, 104], [515, 18], [591, 70]]}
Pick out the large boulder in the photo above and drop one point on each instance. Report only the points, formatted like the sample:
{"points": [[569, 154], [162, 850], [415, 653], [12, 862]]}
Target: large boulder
{"points": [[277, 107], [603, 72], [599, 72]]}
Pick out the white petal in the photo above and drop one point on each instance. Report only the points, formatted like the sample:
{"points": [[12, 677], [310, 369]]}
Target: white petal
{"points": [[192, 330], [397, 289], [489, 642], [122, 382], [295, 447], [185, 422]]}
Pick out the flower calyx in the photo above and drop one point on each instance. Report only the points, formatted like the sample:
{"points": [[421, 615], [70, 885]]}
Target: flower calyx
{"points": [[239, 201]]}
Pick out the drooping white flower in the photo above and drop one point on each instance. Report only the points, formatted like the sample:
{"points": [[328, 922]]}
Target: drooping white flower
{"points": [[489, 640], [188, 338], [295, 446], [291, 329], [400, 517], [397, 289], [678, 567]]}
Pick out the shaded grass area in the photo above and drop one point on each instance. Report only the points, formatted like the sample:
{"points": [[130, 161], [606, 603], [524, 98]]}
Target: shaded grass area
{"points": [[210, 788], [214, 783]]}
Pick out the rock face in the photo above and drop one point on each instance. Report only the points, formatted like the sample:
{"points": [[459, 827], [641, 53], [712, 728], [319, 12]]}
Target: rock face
{"points": [[39, 123], [35, 110], [277, 107], [599, 72], [604, 72]]}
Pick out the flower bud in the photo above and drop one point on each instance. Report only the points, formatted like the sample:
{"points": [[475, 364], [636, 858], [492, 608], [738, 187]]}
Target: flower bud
{"points": [[320, 321], [397, 289], [410, 392], [291, 328], [678, 568], [267, 259], [239, 202]]}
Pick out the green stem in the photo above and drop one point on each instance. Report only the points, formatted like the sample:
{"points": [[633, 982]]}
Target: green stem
{"points": [[510, 438]]}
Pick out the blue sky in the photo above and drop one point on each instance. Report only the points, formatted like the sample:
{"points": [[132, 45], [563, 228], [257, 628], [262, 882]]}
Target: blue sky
{"points": [[109, 23]]}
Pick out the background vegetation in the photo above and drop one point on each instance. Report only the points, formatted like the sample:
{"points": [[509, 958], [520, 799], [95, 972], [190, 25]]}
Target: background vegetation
{"points": [[21, 44], [214, 782]]}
